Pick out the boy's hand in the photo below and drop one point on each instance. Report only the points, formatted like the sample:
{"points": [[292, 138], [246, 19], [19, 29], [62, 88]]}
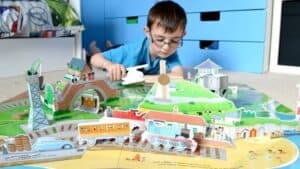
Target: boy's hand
{"points": [[116, 71]]}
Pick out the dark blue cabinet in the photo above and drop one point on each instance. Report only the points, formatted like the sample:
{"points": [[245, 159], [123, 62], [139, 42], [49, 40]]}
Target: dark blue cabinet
{"points": [[92, 16]]}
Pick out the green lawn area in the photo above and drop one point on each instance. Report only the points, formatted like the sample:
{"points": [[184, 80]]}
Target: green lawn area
{"points": [[74, 115], [12, 128], [12, 119], [130, 97], [190, 108], [255, 121], [282, 108], [121, 103], [192, 90], [186, 89]]}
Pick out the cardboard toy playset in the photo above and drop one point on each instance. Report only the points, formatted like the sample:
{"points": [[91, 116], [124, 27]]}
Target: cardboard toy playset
{"points": [[87, 121]]}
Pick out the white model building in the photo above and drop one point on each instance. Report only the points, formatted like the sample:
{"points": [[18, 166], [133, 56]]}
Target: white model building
{"points": [[208, 75]]}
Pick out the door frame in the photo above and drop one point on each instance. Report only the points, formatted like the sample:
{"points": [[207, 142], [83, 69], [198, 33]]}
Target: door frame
{"points": [[274, 50]]}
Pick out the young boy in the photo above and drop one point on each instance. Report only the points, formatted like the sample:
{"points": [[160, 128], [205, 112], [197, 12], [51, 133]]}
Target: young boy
{"points": [[164, 32]]}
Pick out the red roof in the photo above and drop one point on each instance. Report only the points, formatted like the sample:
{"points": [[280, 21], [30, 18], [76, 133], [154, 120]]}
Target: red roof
{"points": [[175, 117], [130, 114]]}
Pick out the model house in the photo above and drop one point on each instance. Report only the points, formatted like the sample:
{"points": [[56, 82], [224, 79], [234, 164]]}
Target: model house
{"points": [[209, 75]]}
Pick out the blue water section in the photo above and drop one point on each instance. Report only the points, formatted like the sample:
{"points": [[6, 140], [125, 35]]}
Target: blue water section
{"points": [[284, 116], [296, 140]]}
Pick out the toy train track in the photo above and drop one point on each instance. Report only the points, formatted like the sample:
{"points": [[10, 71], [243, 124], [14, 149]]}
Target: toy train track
{"points": [[155, 132]]}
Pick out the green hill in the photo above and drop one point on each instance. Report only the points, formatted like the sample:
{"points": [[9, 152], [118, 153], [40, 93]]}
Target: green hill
{"points": [[189, 98]]}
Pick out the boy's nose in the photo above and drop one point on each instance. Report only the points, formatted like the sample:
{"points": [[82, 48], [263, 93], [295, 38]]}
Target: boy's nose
{"points": [[166, 46]]}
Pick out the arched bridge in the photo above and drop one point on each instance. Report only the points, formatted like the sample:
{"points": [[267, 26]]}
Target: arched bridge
{"points": [[72, 91]]}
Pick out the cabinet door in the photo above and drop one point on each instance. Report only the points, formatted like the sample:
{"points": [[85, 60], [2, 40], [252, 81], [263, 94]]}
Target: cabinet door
{"points": [[221, 5], [234, 56], [246, 25], [92, 17], [124, 30], [121, 8]]}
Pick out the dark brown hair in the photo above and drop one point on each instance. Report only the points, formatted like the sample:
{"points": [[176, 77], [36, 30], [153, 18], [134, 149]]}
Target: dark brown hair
{"points": [[167, 14]]}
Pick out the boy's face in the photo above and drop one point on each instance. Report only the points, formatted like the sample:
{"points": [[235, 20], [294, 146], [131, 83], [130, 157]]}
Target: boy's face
{"points": [[163, 43]]}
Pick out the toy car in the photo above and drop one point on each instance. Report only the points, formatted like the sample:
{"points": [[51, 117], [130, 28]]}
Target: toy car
{"points": [[51, 143]]}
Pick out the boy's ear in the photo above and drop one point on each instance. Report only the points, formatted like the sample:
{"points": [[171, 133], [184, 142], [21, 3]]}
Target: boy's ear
{"points": [[147, 31]]}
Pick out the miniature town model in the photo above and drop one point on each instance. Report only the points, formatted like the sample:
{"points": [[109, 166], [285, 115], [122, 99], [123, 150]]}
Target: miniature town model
{"points": [[176, 117]]}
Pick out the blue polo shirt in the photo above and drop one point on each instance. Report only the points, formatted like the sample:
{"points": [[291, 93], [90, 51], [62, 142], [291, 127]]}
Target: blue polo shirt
{"points": [[137, 53]]}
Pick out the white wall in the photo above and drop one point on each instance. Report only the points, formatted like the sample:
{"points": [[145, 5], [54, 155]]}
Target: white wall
{"points": [[17, 55]]}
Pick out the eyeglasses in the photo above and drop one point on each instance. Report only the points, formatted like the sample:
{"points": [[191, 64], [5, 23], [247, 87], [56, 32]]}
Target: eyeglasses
{"points": [[160, 42]]}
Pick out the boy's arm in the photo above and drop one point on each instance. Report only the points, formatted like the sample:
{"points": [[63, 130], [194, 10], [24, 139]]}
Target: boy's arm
{"points": [[115, 71], [99, 61]]}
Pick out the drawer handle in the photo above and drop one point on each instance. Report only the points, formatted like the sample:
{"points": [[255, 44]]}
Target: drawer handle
{"points": [[209, 44], [210, 16], [132, 20]]}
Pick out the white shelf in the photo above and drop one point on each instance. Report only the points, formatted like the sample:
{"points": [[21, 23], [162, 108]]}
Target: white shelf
{"points": [[18, 54]]}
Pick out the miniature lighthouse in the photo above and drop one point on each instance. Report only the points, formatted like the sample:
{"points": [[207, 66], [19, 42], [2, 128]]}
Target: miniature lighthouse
{"points": [[298, 104]]}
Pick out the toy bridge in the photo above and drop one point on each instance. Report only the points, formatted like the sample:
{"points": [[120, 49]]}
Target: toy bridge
{"points": [[72, 91]]}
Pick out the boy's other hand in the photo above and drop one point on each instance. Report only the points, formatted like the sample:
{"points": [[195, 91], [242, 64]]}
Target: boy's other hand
{"points": [[116, 71]]}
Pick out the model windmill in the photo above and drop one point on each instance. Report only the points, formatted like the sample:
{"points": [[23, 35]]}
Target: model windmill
{"points": [[162, 91]]}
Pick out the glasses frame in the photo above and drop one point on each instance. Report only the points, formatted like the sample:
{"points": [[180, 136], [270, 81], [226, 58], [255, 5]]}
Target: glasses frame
{"points": [[170, 43]]}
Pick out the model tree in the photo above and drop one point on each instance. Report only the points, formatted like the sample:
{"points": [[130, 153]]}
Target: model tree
{"points": [[49, 95]]}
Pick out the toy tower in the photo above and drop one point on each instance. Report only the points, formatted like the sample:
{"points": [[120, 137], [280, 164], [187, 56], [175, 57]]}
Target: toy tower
{"points": [[162, 91], [298, 104], [37, 118]]}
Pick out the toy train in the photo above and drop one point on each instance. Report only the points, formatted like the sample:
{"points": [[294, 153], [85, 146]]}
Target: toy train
{"points": [[110, 129], [173, 130], [163, 130], [98, 132], [116, 126]]}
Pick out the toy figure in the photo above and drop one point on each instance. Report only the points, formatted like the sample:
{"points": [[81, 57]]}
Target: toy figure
{"points": [[133, 75]]}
